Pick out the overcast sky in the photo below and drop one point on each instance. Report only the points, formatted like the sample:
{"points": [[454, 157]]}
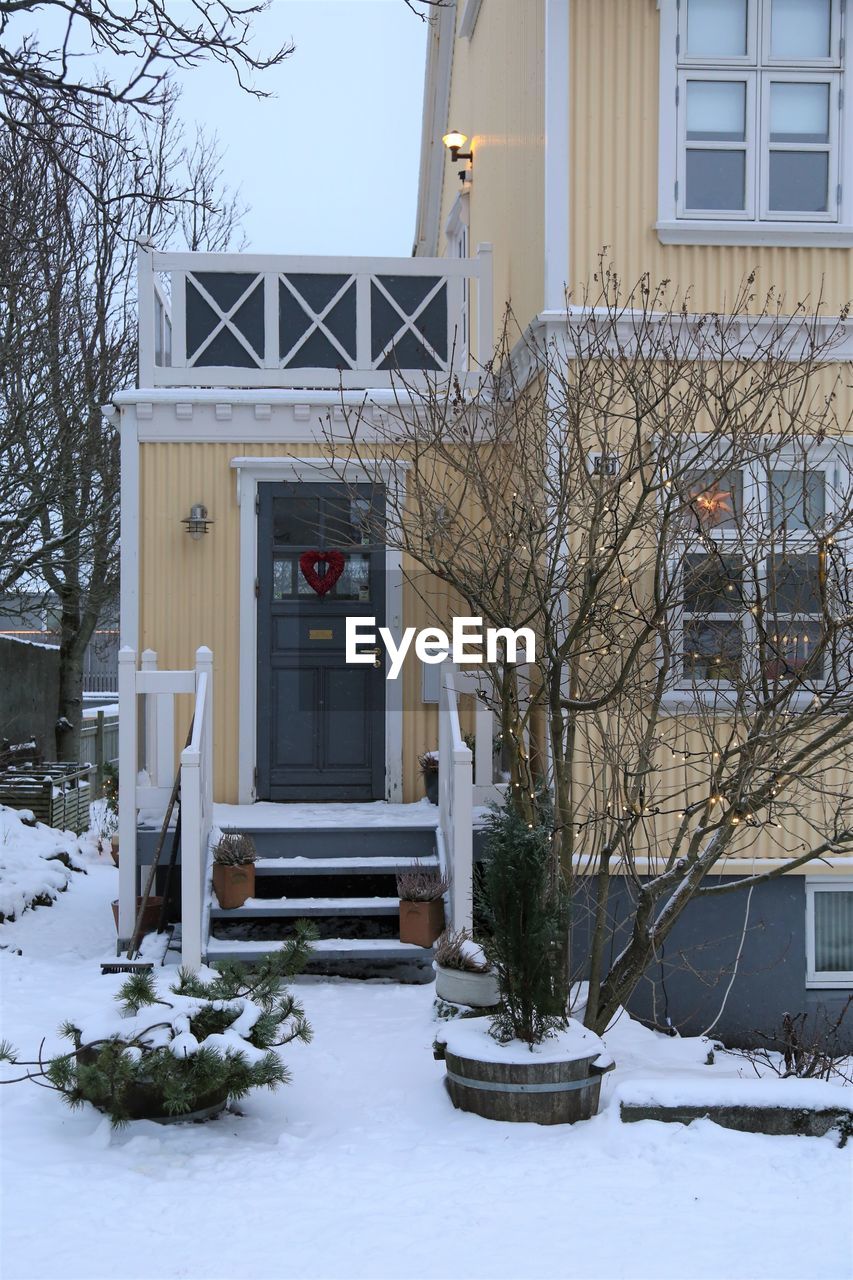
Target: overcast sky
{"points": [[330, 164]]}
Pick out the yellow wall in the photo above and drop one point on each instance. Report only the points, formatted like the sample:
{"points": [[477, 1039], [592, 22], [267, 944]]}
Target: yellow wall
{"points": [[497, 100], [614, 150], [189, 592]]}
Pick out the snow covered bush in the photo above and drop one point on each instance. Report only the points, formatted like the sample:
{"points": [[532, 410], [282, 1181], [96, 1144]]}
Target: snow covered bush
{"points": [[525, 912], [36, 862], [185, 1047]]}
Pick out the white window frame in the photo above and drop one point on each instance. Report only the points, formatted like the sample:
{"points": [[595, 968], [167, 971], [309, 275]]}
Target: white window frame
{"points": [[790, 77], [678, 226], [833, 460], [814, 977], [733, 76]]}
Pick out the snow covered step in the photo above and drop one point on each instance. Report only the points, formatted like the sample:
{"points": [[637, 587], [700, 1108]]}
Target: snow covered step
{"points": [[363, 952], [287, 866], [286, 908], [322, 842]]}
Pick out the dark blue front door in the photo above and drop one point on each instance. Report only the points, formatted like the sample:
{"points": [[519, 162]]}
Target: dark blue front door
{"points": [[321, 723]]}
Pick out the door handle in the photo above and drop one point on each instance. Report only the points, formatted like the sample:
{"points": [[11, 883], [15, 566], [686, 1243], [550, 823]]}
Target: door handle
{"points": [[377, 660]]}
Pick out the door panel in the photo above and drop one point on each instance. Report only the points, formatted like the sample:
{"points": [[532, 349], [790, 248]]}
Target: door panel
{"points": [[321, 723]]}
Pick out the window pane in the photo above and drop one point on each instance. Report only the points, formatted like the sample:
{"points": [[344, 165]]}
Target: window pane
{"points": [[296, 521], [716, 110], [799, 112], [833, 931], [712, 650], [712, 584], [716, 28], [799, 181], [354, 582], [792, 584], [716, 501], [797, 499], [794, 649], [716, 179], [800, 29]]}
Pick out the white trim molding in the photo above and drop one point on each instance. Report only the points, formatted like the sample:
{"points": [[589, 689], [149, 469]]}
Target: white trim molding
{"points": [[557, 151], [433, 167], [250, 472], [129, 531], [468, 20]]}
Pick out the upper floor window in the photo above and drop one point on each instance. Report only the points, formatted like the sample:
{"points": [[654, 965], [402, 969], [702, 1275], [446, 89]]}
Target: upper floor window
{"points": [[757, 135]]}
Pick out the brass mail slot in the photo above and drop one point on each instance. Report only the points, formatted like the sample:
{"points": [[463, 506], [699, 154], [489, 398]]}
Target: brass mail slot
{"points": [[320, 633]]}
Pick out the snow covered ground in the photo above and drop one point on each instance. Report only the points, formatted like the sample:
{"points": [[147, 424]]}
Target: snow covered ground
{"points": [[362, 1170], [36, 862]]}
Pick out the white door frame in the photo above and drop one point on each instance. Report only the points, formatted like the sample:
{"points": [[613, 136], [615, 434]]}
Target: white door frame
{"points": [[250, 473]]}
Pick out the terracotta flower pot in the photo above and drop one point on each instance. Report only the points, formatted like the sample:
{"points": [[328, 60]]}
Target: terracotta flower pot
{"points": [[114, 849], [421, 922], [233, 884], [151, 918]]}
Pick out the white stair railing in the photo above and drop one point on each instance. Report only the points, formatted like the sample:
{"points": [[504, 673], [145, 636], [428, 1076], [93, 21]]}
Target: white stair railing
{"points": [[149, 790], [465, 782], [455, 803]]}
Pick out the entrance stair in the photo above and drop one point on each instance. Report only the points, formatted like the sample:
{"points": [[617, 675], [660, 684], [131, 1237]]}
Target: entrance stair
{"points": [[342, 879]]}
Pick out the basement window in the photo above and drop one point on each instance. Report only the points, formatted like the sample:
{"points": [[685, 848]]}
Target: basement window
{"points": [[829, 932]]}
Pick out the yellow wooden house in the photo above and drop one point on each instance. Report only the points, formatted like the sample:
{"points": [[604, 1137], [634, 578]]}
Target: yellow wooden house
{"points": [[696, 139]]}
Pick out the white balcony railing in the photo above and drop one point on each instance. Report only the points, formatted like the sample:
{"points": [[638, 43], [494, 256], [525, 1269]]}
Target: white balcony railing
{"points": [[252, 320]]}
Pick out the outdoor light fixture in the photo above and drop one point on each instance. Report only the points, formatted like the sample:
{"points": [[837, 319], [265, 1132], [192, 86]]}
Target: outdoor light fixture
{"points": [[197, 523], [455, 141]]}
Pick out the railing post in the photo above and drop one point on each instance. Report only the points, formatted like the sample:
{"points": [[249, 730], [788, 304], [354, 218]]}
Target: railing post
{"points": [[145, 307], [127, 762], [99, 754], [485, 305], [192, 853], [148, 662], [204, 663], [484, 769], [462, 887]]}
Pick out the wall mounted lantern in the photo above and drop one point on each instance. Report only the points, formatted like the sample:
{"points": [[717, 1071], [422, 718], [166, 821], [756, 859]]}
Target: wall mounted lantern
{"points": [[197, 523], [455, 141]]}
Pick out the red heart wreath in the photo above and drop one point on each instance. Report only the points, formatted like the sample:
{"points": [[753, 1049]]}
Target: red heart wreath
{"points": [[334, 562]]}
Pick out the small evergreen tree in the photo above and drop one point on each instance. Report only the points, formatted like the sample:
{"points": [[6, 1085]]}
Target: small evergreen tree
{"points": [[189, 1046], [526, 916]]}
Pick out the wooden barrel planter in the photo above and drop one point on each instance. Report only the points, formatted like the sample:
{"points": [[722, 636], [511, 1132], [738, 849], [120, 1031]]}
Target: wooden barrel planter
{"points": [[511, 1083]]}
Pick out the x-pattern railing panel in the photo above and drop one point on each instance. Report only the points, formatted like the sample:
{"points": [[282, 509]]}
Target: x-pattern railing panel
{"points": [[253, 320]]}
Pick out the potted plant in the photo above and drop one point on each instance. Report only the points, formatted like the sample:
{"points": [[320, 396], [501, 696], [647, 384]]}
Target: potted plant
{"points": [[528, 1061], [421, 891], [428, 761], [181, 1048], [463, 975], [234, 869]]}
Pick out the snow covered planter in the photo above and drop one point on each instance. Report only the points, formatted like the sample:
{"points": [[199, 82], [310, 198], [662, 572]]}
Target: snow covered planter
{"points": [[555, 1082], [529, 1061], [183, 1051], [462, 973]]}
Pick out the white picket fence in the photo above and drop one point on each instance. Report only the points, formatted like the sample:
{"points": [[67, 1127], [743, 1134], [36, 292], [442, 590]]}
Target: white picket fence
{"points": [[146, 783]]}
